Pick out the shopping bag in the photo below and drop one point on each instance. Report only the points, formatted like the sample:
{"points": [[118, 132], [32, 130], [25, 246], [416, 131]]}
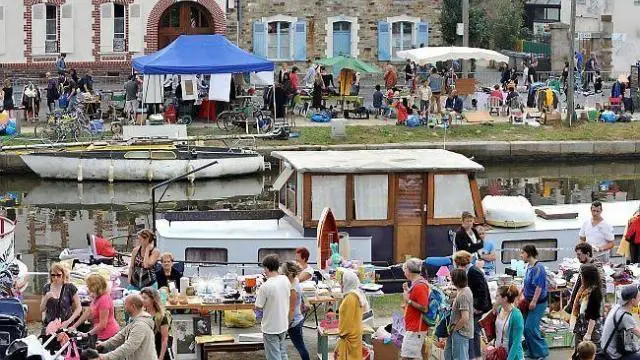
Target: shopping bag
{"points": [[488, 324]]}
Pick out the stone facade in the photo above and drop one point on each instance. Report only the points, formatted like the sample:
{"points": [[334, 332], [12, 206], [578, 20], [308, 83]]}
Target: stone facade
{"points": [[318, 13]]}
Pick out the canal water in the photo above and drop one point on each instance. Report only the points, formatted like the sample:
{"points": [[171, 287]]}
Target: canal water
{"points": [[53, 215]]}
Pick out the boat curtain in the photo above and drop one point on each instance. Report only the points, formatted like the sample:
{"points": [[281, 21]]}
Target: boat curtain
{"points": [[328, 191], [451, 204], [371, 194]]}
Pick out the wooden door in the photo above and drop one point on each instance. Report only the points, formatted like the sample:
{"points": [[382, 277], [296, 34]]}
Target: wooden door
{"points": [[186, 18], [410, 204]]}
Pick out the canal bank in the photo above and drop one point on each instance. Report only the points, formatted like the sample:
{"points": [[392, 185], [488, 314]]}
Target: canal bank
{"points": [[482, 151]]}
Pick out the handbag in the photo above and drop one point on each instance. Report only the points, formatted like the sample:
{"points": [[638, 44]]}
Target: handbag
{"points": [[488, 324], [626, 343], [499, 352], [72, 352], [523, 306]]}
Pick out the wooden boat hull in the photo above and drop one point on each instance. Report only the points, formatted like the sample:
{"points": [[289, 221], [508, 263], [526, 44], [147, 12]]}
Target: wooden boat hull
{"points": [[327, 234], [123, 165]]}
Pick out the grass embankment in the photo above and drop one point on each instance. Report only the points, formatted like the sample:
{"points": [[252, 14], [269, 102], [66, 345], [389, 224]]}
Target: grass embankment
{"points": [[401, 134]]}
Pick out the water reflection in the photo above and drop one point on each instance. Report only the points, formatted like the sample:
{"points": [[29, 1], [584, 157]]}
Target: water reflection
{"points": [[52, 215]]}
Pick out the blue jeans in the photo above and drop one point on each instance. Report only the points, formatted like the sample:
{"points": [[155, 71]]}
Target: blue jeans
{"points": [[275, 346], [536, 344], [295, 334], [457, 347]]}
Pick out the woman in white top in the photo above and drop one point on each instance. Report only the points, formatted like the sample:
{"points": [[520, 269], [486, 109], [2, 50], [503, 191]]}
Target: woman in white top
{"points": [[302, 258], [509, 324]]}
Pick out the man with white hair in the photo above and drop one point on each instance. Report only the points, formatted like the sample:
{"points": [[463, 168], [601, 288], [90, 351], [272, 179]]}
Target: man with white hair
{"points": [[416, 300]]}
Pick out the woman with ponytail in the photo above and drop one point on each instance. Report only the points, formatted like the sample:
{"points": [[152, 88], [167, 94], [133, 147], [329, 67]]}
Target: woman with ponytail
{"points": [[509, 326]]}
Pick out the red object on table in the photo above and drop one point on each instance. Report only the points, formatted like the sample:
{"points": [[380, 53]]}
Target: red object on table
{"points": [[170, 114], [208, 110]]}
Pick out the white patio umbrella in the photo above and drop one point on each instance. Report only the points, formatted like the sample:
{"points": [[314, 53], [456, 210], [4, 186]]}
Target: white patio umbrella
{"points": [[429, 55]]}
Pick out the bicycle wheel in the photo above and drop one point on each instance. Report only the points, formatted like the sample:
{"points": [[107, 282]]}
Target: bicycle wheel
{"points": [[225, 120]]}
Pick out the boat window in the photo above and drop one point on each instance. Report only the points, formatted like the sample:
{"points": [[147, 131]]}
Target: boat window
{"points": [[206, 254], [328, 191], [163, 155], [371, 197], [288, 193], [511, 249], [283, 254], [137, 155], [452, 196]]}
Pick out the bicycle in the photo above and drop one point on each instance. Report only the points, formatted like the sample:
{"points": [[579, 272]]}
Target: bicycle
{"points": [[250, 112]]}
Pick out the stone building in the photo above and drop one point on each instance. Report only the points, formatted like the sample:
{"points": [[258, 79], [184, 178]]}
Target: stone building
{"points": [[105, 34], [294, 30]]}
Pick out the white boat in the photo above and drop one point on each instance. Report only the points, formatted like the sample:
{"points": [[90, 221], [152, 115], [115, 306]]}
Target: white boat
{"points": [[557, 238], [7, 255], [508, 211], [142, 162]]}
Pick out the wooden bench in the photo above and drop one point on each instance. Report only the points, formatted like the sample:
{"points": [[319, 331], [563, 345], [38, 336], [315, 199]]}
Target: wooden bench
{"points": [[235, 346]]}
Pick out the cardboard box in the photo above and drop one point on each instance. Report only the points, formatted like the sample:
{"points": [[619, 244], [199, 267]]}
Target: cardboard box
{"points": [[382, 351]]}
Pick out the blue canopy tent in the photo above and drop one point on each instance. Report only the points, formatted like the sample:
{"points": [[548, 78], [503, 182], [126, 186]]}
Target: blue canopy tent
{"points": [[201, 54]]}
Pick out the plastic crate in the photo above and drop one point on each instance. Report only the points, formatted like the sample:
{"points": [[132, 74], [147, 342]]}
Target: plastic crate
{"points": [[559, 340]]}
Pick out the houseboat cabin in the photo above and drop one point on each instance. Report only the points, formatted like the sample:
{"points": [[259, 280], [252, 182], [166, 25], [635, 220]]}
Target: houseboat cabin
{"points": [[407, 201], [391, 203]]}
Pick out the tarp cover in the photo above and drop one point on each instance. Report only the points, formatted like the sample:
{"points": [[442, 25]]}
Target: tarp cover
{"points": [[201, 54]]}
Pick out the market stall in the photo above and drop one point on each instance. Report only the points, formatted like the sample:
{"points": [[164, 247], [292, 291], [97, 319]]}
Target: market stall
{"points": [[191, 55]]}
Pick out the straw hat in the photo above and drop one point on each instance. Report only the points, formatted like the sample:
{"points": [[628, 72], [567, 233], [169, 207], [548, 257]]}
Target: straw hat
{"points": [[623, 78]]}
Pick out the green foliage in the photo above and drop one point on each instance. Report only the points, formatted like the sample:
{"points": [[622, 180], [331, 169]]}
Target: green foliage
{"points": [[451, 15], [505, 22]]}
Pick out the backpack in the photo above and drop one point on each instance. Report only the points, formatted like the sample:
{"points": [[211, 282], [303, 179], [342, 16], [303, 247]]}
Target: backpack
{"points": [[436, 306]]}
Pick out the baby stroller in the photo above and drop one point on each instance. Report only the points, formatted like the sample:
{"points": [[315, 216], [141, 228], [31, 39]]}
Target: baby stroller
{"points": [[12, 323], [516, 112], [30, 348]]}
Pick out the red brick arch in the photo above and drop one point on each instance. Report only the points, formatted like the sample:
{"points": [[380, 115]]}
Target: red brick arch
{"points": [[151, 38]]}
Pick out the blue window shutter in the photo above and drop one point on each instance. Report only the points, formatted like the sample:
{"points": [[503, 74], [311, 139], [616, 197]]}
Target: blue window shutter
{"points": [[384, 41], [423, 34], [259, 39], [300, 46]]}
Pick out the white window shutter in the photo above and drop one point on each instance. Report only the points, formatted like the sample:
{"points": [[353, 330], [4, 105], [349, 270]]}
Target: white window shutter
{"points": [[38, 28], [3, 31], [106, 28], [136, 33], [66, 29]]}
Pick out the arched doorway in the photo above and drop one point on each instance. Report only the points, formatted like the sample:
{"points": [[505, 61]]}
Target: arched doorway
{"points": [[184, 18]]}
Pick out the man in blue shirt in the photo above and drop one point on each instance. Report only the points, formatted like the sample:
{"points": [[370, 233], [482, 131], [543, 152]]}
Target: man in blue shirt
{"points": [[488, 252], [61, 66]]}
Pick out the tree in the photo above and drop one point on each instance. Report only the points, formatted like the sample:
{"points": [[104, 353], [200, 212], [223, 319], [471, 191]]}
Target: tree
{"points": [[451, 15], [505, 22]]}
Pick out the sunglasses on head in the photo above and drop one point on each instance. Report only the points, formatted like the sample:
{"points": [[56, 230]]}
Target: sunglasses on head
{"points": [[56, 275]]}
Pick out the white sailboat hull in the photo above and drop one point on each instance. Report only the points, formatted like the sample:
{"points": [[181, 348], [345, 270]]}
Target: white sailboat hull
{"points": [[56, 167]]}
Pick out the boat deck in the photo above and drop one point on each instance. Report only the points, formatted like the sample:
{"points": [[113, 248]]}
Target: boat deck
{"points": [[616, 213]]}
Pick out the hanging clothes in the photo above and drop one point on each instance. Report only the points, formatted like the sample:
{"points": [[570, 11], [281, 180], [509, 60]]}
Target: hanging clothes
{"points": [[345, 79]]}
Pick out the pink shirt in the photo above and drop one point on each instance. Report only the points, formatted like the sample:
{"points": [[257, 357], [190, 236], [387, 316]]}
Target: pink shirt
{"points": [[294, 81], [102, 303]]}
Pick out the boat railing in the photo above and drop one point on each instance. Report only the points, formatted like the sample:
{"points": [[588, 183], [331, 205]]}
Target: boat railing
{"points": [[215, 215], [247, 143]]}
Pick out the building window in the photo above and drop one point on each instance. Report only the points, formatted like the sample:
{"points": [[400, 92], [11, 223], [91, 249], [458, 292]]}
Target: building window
{"points": [[371, 197], [119, 42], [171, 19], [341, 38], [546, 14], [279, 40], [198, 18], [206, 254], [511, 249], [51, 40], [328, 191], [449, 204], [401, 36]]}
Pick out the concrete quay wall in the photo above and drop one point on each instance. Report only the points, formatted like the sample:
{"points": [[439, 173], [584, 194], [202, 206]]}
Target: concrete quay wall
{"points": [[482, 151]]}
